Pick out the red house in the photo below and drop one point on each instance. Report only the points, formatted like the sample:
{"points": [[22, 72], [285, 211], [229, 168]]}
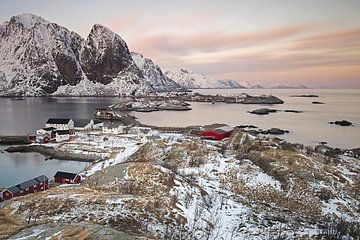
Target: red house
{"points": [[218, 133], [33, 185], [67, 178]]}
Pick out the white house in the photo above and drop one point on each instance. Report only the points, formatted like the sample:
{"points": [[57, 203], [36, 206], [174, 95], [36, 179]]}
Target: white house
{"points": [[60, 123], [48, 131], [62, 135], [113, 127], [98, 124], [83, 124]]}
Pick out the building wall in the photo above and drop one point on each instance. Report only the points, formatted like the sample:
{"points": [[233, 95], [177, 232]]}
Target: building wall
{"points": [[60, 138], [58, 126], [98, 126], [6, 195], [113, 130], [87, 127], [68, 126], [68, 181]]}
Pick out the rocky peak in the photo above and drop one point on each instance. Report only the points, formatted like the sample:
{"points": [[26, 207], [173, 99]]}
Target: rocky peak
{"points": [[28, 20], [106, 55]]}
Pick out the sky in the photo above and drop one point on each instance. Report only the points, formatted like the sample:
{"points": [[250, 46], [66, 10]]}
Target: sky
{"points": [[315, 43]]}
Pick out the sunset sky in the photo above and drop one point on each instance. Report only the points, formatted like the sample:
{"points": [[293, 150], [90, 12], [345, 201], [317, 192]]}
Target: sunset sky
{"points": [[316, 43]]}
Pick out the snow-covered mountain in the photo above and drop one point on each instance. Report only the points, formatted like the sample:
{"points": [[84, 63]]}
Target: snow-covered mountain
{"points": [[39, 58], [281, 86], [189, 79], [152, 74]]}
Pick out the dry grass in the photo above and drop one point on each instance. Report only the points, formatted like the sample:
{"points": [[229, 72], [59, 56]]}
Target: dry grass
{"points": [[9, 225], [72, 233]]}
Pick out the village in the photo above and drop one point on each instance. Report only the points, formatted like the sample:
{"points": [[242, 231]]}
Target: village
{"points": [[97, 142]]}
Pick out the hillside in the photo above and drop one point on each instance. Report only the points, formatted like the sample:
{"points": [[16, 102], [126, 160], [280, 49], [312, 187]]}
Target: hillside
{"points": [[181, 187]]}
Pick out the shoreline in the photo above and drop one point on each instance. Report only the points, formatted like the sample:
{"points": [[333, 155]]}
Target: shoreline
{"points": [[14, 140], [51, 153]]}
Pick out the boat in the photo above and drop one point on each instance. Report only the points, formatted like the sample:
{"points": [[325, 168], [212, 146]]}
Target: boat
{"points": [[106, 114]]}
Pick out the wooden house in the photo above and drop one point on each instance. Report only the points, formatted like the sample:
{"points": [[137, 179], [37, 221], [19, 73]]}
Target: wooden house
{"points": [[60, 123], [67, 178], [113, 127], [62, 135], [218, 133], [38, 184], [49, 131]]}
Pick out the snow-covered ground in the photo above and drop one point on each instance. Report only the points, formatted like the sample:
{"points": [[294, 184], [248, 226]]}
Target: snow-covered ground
{"points": [[180, 187]]}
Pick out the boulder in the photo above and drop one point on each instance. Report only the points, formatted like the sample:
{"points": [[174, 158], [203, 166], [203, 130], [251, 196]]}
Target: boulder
{"points": [[263, 111], [275, 131], [342, 123]]}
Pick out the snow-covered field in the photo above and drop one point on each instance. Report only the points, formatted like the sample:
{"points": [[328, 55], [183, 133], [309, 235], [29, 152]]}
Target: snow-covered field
{"points": [[180, 187]]}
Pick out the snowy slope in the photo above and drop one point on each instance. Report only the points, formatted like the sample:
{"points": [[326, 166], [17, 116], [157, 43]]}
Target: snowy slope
{"points": [[189, 79], [153, 74], [40, 58]]}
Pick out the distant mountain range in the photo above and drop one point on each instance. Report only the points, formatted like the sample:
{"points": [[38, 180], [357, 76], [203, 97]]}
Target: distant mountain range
{"points": [[40, 58], [191, 80]]}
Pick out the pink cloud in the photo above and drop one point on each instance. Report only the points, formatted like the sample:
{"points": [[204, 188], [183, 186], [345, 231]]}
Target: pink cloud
{"points": [[210, 41]]}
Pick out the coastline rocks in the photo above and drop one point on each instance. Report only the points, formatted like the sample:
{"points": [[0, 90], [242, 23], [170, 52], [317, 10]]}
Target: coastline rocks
{"points": [[52, 153], [342, 123], [272, 131], [306, 95], [263, 111], [13, 140], [323, 149], [264, 99], [246, 126], [316, 102], [275, 131], [293, 111], [355, 153]]}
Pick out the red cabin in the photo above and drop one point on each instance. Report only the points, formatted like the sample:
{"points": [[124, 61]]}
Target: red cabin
{"points": [[218, 133], [33, 185], [67, 178]]}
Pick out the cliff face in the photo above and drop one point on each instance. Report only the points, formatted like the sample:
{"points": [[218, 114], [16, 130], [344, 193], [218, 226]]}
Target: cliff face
{"points": [[39, 58]]}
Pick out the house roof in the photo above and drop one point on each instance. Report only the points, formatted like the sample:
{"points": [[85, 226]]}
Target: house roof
{"points": [[97, 121], [112, 124], [144, 130], [27, 184], [62, 132], [49, 129], [222, 130], [81, 122], [58, 121], [65, 175]]}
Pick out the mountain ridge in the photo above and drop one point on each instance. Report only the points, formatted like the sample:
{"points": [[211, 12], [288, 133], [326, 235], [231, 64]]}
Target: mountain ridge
{"points": [[188, 79], [40, 58]]}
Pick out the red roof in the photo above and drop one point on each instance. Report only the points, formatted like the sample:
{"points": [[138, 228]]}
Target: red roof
{"points": [[218, 133]]}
